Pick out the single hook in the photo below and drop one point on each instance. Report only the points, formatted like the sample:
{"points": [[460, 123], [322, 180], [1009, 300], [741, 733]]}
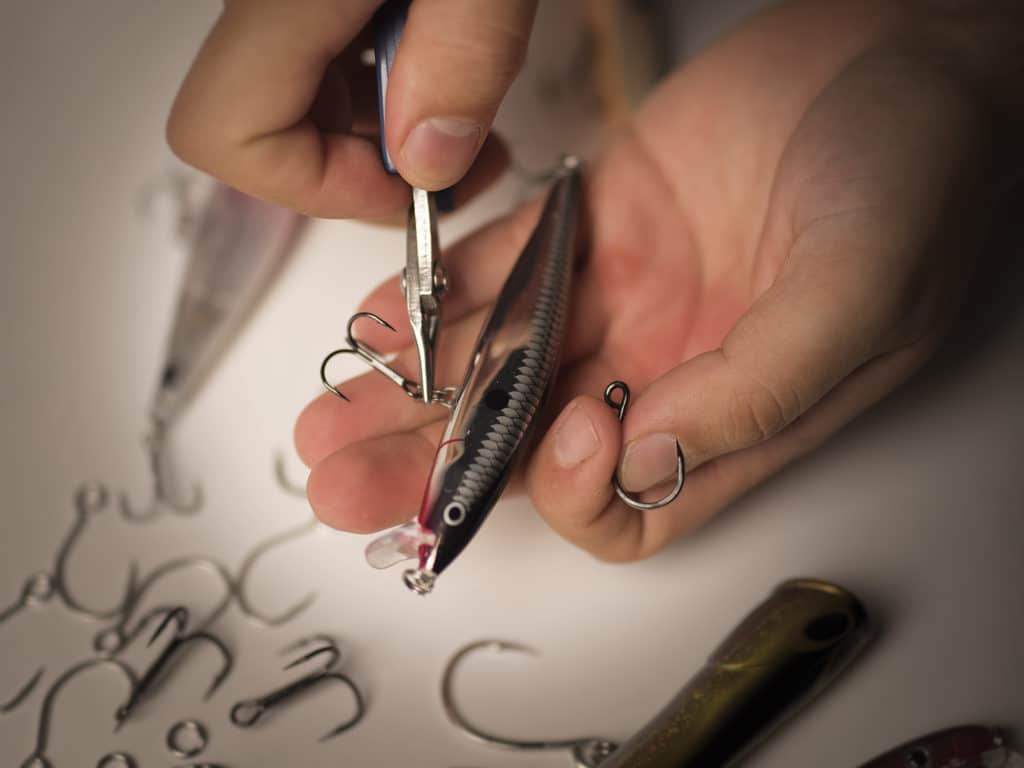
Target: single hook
{"points": [[112, 639], [586, 752], [630, 501], [89, 500], [366, 353], [155, 441], [250, 561], [248, 712], [284, 482], [178, 615], [38, 757]]}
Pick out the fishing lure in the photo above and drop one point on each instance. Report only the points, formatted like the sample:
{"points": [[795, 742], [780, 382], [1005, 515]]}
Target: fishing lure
{"points": [[494, 412], [966, 746]]}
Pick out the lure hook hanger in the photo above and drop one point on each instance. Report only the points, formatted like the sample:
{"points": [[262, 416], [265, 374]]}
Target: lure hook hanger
{"points": [[155, 441], [370, 356], [249, 562], [586, 752], [178, 615], [247, 713], [38, 757], [627, 498]]}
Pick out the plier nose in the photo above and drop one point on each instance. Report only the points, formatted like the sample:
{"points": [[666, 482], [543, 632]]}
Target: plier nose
{"points": [[424, 282]]}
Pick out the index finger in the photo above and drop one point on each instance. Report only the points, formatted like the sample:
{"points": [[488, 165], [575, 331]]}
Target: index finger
{"points": [[242, 113]]}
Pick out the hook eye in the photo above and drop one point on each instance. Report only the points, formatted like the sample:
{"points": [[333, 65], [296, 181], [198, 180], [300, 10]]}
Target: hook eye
{"points": [[38, 588], [247, 713], [91, 498]]}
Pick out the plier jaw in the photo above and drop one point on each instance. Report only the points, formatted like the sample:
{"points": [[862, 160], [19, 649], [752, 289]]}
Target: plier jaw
{"points": [[424, 282]]}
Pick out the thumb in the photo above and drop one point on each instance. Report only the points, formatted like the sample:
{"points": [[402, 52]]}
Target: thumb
{"points": [[804, 335], [456, 60]]}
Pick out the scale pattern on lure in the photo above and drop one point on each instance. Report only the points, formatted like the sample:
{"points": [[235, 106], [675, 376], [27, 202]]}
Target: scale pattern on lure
{"points": [[531, 370]]}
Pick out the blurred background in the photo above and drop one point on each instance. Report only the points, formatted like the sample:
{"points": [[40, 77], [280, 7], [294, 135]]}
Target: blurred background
{"points": [[917, 507]]}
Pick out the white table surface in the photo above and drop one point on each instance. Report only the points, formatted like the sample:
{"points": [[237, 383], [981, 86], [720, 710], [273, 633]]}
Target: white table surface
{"points": [[917, 507]]}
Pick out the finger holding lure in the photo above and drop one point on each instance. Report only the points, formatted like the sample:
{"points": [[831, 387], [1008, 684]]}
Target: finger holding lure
{"points": [[509, 377]]}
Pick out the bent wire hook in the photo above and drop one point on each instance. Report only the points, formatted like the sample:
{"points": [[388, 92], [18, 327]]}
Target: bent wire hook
{"points": [[586, 752], [38, 757], [628, 499]]}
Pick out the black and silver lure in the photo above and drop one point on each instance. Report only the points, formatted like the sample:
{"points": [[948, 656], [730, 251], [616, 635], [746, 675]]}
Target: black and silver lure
{"points": [[509, 377]]}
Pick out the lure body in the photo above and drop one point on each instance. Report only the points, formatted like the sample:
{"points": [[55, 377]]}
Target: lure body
{"points": [[236, 248], [782, 654], [508, 379], [968, 746]]}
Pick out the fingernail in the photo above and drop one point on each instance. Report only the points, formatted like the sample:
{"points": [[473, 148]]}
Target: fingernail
{"points": [[576, 439], [440, 149], [648, 461]]}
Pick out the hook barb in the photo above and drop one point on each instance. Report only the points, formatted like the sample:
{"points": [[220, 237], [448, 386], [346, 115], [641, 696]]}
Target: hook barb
{"points": [[375, 360]]}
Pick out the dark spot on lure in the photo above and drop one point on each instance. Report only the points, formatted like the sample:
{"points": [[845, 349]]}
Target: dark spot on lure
{"points": [[496, 399]]}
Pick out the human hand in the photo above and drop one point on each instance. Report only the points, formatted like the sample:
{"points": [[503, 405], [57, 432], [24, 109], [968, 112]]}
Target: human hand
{"points": [[279, 105], [781, 238]]}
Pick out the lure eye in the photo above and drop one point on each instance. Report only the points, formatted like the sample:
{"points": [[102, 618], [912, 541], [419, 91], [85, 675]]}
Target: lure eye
{"points": [[454, 514]]}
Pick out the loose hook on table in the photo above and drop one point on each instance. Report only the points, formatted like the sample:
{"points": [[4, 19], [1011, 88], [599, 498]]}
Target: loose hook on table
{"points": [[89, 501], [249, 562], [247, 713], [626, 497], [38, 757], [587, 752], [155, 442], [178, 644]]}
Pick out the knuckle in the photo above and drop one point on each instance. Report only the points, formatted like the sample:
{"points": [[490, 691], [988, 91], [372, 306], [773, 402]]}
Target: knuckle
{"points": [[757, 413]]}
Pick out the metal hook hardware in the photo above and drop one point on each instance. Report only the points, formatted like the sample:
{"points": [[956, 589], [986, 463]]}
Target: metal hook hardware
{"points": [[627, 498], [586, 753], [248, 712], [375, 360]]}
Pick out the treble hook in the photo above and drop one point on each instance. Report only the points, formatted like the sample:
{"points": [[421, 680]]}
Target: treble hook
{"points": [[247, 713], [155, 441], [38, 757], [250, 561], [586, 752], [178, 615], [112, 639], [622, 493], [370, 356], [89, 500]]}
